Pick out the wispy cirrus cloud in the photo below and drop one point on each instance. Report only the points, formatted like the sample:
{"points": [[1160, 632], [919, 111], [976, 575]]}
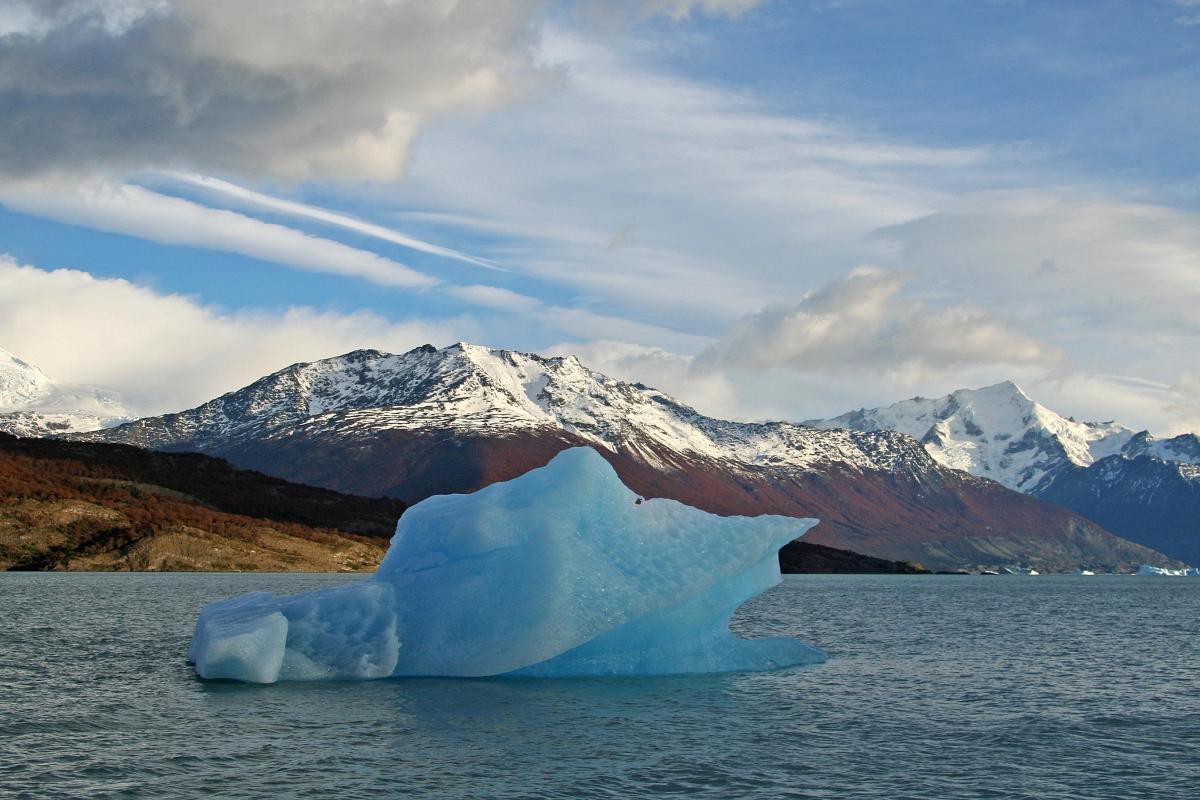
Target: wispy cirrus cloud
{"points": [[495, 297], [643, 180], [135, 211], [257, 200]]}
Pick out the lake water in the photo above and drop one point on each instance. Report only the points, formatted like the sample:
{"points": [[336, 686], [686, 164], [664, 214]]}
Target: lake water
{"points": [[937, 687]]}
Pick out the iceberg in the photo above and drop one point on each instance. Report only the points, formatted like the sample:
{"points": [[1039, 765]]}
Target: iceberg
{"points": [[563, 571], [1187, 572]]}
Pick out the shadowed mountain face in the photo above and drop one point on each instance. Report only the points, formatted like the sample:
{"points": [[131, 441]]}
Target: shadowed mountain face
{"points": [[433, 421], [1149, 500]]}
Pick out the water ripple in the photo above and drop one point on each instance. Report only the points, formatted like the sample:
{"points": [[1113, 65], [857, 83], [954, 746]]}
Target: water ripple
{"points": [[948, 688]]}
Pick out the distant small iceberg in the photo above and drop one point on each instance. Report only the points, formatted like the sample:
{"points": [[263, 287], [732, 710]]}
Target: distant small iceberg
{"points": [[1187, 572]]}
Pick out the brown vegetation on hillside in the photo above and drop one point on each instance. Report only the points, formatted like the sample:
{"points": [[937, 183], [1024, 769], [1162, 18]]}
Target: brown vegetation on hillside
{"points": [[85, 506]]}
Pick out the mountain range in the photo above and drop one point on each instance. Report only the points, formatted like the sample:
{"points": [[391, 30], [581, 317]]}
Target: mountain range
{"points": [[31, 404], [1143, 488], [432, 421]]}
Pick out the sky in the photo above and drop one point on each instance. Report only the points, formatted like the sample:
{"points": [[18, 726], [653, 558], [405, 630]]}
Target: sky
{"points": [[772, 210]]}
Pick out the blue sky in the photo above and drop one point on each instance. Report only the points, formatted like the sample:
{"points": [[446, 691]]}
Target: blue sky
{"points": [[773, 209]]}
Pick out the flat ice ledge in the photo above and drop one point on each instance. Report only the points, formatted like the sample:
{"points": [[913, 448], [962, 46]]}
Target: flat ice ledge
{"points": [[1189, 572], [561, 571]]}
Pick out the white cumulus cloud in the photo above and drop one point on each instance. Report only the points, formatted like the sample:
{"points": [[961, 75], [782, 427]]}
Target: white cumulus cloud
{"points": [[165, 352], [865, 322]]}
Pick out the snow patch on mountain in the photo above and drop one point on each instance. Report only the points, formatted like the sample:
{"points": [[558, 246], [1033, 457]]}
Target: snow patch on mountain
{"points": [[998, 432], [21, 383], [31, 404], [1183, 449], [472, 389]]}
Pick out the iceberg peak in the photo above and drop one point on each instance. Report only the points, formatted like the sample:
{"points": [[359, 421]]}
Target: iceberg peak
{"points": [[561, 571]]}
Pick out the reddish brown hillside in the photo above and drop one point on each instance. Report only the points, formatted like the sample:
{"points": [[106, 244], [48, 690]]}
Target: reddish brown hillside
{"points": [[85, 506], [941, 518], [68, 505]]}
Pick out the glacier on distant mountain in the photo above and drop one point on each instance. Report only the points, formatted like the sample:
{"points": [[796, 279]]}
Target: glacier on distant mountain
{"points": [[562, 571], [996, 432]]}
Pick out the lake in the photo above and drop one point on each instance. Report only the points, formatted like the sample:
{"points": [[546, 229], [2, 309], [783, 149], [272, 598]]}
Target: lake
{"points": [[937, 687]]}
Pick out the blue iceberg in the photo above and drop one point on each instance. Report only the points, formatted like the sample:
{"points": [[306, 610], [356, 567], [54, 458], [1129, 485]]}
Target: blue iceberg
{"points": [[561, 572]]}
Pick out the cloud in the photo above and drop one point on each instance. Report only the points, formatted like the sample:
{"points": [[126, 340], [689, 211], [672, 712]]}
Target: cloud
{"points": [[294, 89], [710, 393], [291, 89], [681, 9], [591, 325], [1120, 295], [1126, 261], [165, 352], [258, 200], [132, 210], [611, 10], [625, 361], [494, 297], [1186, 403], [680, 183], [865, 322]]}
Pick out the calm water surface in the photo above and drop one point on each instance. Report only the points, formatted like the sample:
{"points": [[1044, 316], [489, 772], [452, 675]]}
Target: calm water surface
{"points": [[937, 687]]}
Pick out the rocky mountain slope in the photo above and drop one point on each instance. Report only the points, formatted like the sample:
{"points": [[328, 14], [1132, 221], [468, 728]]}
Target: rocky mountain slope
{"points": [[31, 404], [1142, 488], [1145, 498], [431, 421]]}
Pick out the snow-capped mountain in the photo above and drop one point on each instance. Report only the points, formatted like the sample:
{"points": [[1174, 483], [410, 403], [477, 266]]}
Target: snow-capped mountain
{"points": [[21, 383], [472, 389], [1140, 487], [454, 419], [31, 404], [996, 432]]}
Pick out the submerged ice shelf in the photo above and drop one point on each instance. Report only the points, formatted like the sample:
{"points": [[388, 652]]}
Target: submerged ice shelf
{"points": [[562, 571]]}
